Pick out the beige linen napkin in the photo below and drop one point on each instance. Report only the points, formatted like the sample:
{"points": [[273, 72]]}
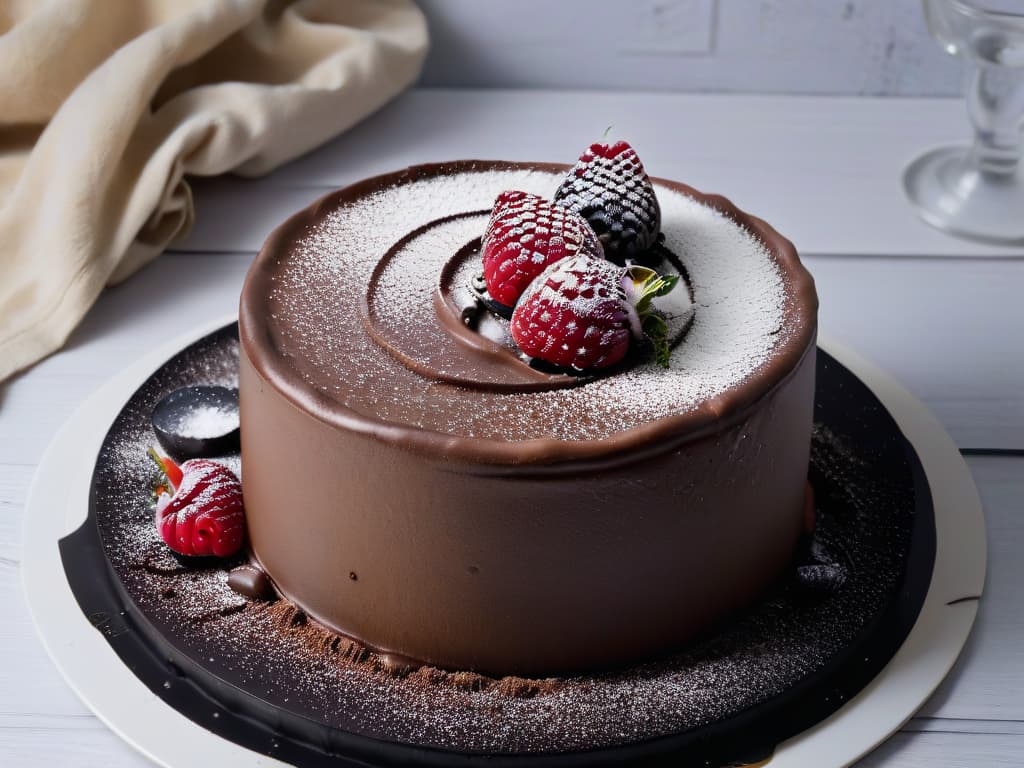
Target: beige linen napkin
{"points": [[105, 105]]}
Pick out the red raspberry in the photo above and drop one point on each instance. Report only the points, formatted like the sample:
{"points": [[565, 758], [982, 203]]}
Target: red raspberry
{"points": [[610, 189], [205, 515], [582, 312], [525, 235]]}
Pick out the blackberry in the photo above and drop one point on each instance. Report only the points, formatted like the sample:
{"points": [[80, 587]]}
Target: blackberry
{"points": [[610, 189]]}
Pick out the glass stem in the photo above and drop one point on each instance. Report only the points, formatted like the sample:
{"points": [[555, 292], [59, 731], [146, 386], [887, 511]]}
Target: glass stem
{"points": [[995, 102]]}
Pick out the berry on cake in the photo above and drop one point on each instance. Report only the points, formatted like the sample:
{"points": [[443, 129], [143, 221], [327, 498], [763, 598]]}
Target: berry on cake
{"points": [[610, 189], [583, 313], [573, 307], [524, 236]]}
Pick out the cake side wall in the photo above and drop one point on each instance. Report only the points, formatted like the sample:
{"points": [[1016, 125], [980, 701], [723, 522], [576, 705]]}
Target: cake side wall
{"points": [[448, 563]]}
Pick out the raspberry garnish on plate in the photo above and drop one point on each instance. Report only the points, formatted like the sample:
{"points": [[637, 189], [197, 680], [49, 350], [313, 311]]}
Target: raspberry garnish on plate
{"points": [[201, 514]]}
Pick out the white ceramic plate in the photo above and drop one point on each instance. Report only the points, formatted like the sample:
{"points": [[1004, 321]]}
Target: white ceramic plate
{"points": [[58, 503]]}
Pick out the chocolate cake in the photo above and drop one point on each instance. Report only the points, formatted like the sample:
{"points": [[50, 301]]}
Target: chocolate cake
{"points": [[413, 483]]}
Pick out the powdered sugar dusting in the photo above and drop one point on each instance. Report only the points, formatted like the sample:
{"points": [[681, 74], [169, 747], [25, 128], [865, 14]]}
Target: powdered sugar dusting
{"points": [[408, 282], [207, 421], [738, 292]]}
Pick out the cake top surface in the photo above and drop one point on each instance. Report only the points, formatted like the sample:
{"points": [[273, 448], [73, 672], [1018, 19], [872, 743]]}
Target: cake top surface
{"points": [[306, 299]]}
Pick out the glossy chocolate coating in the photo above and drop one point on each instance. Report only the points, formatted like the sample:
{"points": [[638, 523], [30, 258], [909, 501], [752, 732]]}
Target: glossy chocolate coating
{"points": [[251, 581], [532, 557]]}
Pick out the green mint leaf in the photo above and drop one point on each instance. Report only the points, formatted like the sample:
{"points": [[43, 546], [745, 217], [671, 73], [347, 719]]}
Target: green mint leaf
{"points": [[651, 285], [665, 284]]}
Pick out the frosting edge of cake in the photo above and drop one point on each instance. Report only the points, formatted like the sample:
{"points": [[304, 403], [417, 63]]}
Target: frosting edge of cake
{"points": [[652, 436]]}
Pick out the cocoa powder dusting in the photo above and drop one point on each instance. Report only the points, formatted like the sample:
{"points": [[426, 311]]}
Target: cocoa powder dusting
{"points": [[348, 653]]}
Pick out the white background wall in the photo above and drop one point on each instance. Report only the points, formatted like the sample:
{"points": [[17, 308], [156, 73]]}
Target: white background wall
{"points": [[838, 47]]}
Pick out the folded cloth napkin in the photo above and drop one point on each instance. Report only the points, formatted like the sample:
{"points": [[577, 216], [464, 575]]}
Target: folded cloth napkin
{"points": [[106, 105]]}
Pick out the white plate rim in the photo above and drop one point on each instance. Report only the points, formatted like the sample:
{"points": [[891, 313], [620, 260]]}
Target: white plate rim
{"points": [[57, 504]]}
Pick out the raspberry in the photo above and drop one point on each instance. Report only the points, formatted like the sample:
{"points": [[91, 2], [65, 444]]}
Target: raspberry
{"points": [[610, 189], [524, 236], [583, 313], [205, 515]]}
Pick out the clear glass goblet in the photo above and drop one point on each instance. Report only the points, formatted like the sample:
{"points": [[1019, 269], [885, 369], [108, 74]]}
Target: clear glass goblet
{"points": [[977, 191]]}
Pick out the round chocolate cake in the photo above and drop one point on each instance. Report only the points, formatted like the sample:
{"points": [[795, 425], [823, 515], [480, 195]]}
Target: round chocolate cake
{"points": [[413, 482], [527, 459]]}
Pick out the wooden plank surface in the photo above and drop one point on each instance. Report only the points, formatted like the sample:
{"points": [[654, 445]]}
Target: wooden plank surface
{"points": [[947, 329], [824, 171]]}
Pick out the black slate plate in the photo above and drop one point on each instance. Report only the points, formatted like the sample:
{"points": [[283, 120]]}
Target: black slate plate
{"points": [[813, 643]]}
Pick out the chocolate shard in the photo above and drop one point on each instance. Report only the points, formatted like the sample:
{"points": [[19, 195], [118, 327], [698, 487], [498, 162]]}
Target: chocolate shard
{"points": [[251, 581]]}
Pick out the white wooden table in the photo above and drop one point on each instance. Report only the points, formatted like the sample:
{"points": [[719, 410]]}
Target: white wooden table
{"points": [[943, 316]]}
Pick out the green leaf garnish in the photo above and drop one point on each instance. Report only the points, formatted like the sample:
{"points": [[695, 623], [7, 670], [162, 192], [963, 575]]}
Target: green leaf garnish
{"points": [[648, 285]]}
